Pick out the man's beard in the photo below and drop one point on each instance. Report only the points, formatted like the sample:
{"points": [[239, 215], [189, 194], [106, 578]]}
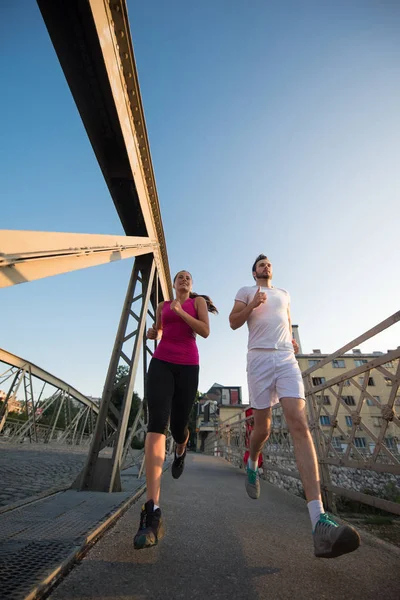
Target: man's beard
{"points": [[263, 275]]}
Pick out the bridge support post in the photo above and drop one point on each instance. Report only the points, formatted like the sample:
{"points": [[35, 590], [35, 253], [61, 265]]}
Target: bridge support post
{"points": [[103, 474]]}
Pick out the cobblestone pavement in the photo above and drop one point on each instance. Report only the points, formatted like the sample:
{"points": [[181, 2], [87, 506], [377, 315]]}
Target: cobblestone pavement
{"points": [[30, 469], [27, 471]]}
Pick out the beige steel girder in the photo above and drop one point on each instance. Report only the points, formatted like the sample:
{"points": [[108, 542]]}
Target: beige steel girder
{"points": [[29, 255]]}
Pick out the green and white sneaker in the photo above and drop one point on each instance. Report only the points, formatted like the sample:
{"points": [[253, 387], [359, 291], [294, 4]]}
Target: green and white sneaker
{"points": [[332, 540], [252, 483]]}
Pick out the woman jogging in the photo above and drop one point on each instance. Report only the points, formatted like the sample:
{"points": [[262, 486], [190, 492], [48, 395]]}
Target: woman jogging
{"points": [[172, 382]]}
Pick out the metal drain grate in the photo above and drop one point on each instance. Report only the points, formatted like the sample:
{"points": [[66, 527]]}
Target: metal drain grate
{"points": [[24, 565], [36, 539]]}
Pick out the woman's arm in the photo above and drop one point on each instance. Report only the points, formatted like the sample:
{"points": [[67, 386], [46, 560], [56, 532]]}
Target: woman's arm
{"points": [[155, 332], [201, 325]]}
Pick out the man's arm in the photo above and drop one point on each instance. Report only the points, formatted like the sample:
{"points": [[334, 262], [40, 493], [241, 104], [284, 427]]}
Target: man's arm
{"points": [[241, 311], [295, 344], [239, 314], [290, 322]]}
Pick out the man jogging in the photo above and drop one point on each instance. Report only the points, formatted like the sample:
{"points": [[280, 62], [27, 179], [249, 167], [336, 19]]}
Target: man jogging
{"points": [[274, 376]]}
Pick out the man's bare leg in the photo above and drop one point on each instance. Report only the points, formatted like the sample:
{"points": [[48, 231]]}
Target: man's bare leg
{"points": [[330, 539], [259, 435], [294, 410]]}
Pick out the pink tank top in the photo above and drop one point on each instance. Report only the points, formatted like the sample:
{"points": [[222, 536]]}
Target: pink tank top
{"points": [[178, 342]]}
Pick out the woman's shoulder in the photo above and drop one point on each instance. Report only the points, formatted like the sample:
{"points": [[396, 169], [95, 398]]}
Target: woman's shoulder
{"points": [[198, 300]]}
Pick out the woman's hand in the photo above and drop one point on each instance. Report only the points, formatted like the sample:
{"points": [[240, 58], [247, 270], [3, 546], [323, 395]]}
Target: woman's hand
{"points": [[152, 333], [176, 306]]}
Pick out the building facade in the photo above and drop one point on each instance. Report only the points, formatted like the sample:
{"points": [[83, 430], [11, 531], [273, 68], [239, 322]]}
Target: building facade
{"points": [[376, 395], [217, 405]]}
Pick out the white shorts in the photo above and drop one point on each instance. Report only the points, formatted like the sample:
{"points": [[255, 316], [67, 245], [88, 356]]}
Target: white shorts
{"points": [[272, 375]]}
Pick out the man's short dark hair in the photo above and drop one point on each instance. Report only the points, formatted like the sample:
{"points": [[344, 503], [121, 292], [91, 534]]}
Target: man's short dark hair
{"points": [[259, 257]]}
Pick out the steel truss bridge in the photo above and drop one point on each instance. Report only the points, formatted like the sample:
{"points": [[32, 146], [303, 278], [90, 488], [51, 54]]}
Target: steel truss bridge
{"points": [[93, 43]]}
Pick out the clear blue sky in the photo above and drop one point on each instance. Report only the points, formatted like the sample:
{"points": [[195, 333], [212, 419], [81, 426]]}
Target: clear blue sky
{"points": [[274, 127]]}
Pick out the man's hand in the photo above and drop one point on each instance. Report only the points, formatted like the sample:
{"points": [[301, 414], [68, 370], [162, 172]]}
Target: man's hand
{"points": [[295, 346], [152, 333], [259, 298], [176, 306]]}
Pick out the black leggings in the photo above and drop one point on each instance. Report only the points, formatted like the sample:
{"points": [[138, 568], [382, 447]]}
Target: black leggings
{"points": [[171, 392]]}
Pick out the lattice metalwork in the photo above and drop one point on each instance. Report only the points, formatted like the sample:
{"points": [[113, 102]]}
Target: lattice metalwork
{"points": [[40, 408], [379, 450], [342, 430], [140, 304], [231, 440]]}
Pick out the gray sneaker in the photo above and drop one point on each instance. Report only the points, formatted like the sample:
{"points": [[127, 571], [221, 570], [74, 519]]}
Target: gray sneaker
{"points": [[332, 540], [252, 483]]}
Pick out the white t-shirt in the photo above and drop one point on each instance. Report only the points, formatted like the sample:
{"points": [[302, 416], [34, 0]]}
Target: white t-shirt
{"points": [[268, 323]]}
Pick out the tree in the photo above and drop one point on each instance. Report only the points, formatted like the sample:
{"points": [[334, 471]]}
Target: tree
{"points": [[192, 421], [117, 397], [68, 411]]}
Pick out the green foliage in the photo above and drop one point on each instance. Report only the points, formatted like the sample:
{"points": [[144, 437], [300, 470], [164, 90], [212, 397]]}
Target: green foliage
{"points": [[118, 393], [67, 412], [192, 422], [378, 520], [390, 492], [15, 416], [137, 444]]}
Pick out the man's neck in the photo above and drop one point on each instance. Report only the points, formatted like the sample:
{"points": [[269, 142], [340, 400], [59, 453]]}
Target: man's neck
{"points": [[264, 282]]}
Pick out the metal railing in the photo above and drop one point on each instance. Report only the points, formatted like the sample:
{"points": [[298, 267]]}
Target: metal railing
{"points": [[353, 449]]}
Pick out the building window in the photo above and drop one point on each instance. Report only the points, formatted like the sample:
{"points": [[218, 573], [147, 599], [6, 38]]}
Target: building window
{"points": [[391, 443], [377, 421], [338, 363], [360, 442], [370, 381], [359, 362], [378, 399], [349, 421], [326, 400], [337, 442], [318, 380], [349, 400], [313, 362], [371, 402], [346, 383], [388, 381], [389, 365], [325, 420]]}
